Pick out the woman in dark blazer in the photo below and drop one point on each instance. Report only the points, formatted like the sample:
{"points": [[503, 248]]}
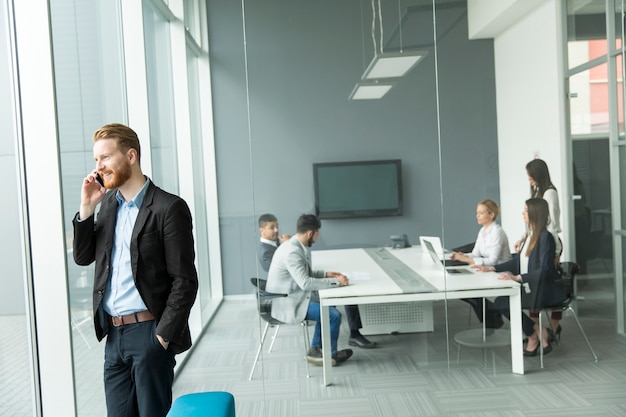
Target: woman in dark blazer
{"points": [[534, 267]]}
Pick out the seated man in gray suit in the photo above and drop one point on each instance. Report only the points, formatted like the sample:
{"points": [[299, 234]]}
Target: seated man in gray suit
{"points": [[270, 240], [291, 274]]}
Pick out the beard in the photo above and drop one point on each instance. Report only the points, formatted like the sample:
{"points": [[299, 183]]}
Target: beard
{"points": [[310, 242], [118, 177]]}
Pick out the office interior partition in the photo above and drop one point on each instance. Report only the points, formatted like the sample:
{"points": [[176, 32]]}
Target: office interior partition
{"points": [[238, 138]]}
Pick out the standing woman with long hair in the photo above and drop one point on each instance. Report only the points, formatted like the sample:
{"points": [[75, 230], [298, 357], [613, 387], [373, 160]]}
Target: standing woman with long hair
{"points": [[533, 266], [541, 187]]}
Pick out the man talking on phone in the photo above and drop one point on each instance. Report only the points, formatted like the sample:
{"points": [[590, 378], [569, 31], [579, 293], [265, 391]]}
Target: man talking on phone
{"points": [[145, 279]]}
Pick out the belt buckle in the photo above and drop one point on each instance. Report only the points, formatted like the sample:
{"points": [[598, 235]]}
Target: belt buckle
{"points": [[121, 321]]}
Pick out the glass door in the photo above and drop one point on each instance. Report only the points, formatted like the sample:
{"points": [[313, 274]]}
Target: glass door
{"points": [[589, 128], [593, 247], [596, 127]]}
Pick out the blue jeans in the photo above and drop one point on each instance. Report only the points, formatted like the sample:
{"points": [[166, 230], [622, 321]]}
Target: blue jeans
{"points": [[313, 313]]}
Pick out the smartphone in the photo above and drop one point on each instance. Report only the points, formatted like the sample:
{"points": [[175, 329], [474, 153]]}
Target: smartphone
{"points": [[99, 179]]}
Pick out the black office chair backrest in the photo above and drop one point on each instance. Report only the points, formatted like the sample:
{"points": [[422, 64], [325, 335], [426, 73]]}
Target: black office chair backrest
{"points": [[567, 272], [259, 283], [265, 298], [468, 247]]}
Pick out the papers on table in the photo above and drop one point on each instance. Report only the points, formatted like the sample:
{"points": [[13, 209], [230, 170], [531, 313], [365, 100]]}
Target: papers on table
{"points": [[358, 276]]}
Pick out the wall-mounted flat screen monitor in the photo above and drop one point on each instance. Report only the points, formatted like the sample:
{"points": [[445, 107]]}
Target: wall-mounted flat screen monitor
{"points": [[358, 189]]}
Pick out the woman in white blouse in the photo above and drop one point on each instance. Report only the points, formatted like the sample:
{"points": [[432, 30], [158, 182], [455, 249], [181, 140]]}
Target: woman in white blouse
{"points": [[491, 248], [492, 245]]}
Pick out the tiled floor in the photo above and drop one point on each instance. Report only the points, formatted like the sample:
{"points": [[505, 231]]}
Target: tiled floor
{"points": [[15, 383], [16, 393], [409, 375]]}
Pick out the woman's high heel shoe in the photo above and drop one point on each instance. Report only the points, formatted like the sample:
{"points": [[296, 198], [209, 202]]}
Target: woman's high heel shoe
{"points": [[547, 337], [531, 352], [546, 350], [555, 336]]}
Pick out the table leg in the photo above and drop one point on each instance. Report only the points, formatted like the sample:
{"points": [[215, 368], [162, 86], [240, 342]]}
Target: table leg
{"points": [[517, 355], [326, 349]]}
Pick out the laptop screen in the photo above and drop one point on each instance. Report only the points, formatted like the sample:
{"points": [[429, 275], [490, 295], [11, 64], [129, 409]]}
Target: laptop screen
{"points": [[431, 251]]}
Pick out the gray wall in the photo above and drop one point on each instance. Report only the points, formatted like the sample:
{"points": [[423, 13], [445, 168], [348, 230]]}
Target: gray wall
{"points": [[303, 60]]}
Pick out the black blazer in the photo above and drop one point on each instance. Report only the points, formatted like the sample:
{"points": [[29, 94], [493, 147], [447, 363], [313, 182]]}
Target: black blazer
{"points": [[162, 260], [541, 276]]}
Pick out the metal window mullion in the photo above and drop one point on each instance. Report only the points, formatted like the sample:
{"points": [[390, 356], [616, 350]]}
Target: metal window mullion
{"points": [[614, 165]]}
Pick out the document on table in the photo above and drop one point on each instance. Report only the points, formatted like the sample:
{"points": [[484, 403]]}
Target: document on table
{"points": [[358, 276]]}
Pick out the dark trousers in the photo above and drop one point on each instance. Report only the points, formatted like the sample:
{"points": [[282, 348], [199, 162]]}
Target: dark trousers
{"points": [[502, 304], [353, 316], [138, 372], [492, 314]]}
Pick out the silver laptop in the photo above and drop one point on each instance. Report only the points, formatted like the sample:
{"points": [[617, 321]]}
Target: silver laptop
{"points": [[436, 242], [433, 254], [442, 254]]}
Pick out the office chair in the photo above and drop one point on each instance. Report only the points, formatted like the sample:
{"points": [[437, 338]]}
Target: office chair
{"points": [[260, 284], [568, 271], [264, 304], [467, 248]]}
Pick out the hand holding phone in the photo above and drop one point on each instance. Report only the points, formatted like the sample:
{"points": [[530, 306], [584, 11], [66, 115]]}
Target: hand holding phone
{"points": [[90, 197]]}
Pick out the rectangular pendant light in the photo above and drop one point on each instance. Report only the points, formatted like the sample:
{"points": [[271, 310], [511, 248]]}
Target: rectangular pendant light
{"points": [[370, 90], [392, 64]]}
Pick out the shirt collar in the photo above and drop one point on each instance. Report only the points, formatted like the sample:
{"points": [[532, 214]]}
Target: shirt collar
{"points": [[269, 242], [138, 199]]}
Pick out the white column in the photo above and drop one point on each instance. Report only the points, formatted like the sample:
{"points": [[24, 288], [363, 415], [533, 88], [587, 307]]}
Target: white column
{"points": [[530, 99], [45, 214], [136, 82]]}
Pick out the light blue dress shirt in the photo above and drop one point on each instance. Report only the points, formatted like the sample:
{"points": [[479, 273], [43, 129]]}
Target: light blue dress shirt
{"points": [[121, 296]]}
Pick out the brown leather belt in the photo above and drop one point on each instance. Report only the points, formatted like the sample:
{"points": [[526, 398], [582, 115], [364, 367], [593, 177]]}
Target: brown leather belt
{"points": [[137, 317]]}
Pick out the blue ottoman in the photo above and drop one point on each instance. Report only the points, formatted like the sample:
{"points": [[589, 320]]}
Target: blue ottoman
{"points": [[204, 404]]}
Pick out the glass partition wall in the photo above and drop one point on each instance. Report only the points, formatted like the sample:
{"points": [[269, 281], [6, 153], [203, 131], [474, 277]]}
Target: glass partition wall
{"points": [[284, 74]]}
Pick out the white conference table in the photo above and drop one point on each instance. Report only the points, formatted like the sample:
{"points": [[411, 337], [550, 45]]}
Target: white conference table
{"points": [[381, 288]]}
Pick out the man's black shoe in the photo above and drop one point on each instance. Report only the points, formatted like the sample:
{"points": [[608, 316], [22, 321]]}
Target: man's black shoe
{"points": [[360, 341], [342, 356]]}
